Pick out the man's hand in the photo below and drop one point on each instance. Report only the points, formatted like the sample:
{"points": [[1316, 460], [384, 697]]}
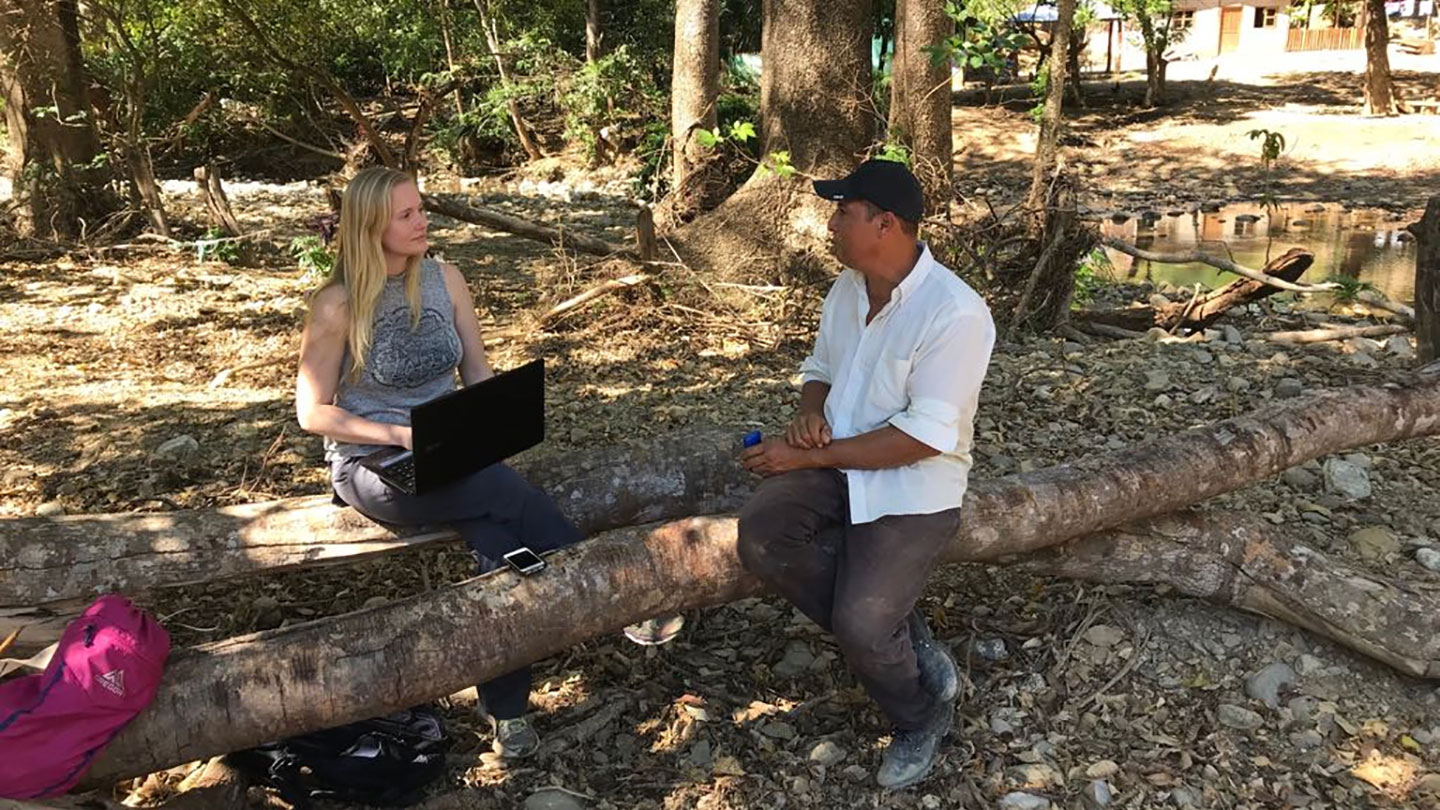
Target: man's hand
{"points": [[773, 456], [808, 431]]}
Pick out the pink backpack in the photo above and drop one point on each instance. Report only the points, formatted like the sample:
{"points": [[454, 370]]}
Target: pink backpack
{"points": [[105, 669]]}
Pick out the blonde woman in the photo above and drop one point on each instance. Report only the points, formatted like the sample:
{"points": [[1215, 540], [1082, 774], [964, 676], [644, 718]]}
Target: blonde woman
{"points": [[389, 330]]}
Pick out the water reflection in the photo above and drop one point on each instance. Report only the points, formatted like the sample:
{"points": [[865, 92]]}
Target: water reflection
{"points": [[1367, 245]]}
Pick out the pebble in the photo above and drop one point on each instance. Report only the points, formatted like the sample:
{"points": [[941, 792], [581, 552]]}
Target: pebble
{"points": [[1400, 346], [856, 773], [553, 800], [1300, 478], [1307, 740], [1070, 347], [1428, 558], [1156, 381], [1237, 384], [1288, 387], [1104, 635], [992, 649], [1308, 665], [1374, 543], [1097, 794], [180, 448], [1183, 796], [1023, 801], [1347, 479], [826, 753], [1233, 335], [1238, 717], [1266, 684], [49, 509], [797, 659]]}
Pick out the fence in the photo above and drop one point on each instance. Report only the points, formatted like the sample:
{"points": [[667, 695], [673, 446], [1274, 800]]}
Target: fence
{"points": [[1324, 39]]}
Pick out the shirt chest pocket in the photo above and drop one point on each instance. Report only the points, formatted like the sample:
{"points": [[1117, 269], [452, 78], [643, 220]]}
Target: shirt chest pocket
{"points": [[888, 383]]}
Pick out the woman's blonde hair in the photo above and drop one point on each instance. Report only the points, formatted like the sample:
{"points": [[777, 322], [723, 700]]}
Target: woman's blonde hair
{"points": [[360, 259]]}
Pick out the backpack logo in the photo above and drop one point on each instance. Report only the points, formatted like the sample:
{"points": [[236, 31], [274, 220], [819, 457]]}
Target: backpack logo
{"points": [[114, 680]]}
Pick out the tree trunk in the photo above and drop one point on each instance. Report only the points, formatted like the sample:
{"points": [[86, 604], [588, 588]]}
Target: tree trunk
{"points": [[217, 205], [1072, 72], [593, 32], [492, 41], [53, 144], [815, 108], [1047, 147], [317, 674], [695, 86], [1427, 282], [1243, 562], [1155, 64], [920, 99], [1202, 312], [1380, 97], [815, 89]]}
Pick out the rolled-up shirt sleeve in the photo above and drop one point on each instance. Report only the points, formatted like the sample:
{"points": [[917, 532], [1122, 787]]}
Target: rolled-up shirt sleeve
{"points": [[944, 383]]}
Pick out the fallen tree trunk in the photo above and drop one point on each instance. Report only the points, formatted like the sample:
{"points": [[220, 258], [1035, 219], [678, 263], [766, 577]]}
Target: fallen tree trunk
{"points": [[239, 692], [529, 230], [1217, 262], [1333, 332], [1246, 563], [50, 568], [1201, 312]]}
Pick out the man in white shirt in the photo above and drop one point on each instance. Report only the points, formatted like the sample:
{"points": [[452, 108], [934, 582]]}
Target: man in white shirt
{"points": [[863, 492]]}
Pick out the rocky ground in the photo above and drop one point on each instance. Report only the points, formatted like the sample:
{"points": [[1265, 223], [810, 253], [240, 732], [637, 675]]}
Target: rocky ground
{"points": [[149, 381]]}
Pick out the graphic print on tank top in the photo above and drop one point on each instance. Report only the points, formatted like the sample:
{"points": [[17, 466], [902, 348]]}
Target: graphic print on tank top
{"points": [[402, 358]]}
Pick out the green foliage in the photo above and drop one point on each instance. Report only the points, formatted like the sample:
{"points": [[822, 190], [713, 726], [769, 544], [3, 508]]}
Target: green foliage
{"points": [[1040, 86], [1347, 290], [777, 162], [984, 37], [314, 259], [896, 152], [1090, 276], [215, 245], [1272, 144]]}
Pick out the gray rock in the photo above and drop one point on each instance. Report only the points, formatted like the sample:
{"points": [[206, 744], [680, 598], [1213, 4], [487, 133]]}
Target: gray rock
{"points": [[553, 800], [49, 509], [1000, 727], [1307, 740], [1237, 384], [1400, 346], [1070, 347], [701, 755], [1203, 395], [1346, 479], [1288, 387], [1363, 360], [1428, 558], [1023, 801], [797, 659], [1163, 401], [1360, 460], [1365, 345], [1183, 796], [1307, 665], [826, 753], [1238, 717], [1157, 300], [1233, 335], [1156, 380], [1266, 684], [1300, 478], [1374, 543], [181, 448], [992, 649], [856, 773], [779, 730], [1097, 794], [1204, 357]]}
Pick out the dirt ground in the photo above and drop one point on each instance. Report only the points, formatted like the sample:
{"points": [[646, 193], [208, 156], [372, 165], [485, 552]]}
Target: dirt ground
{"points": [[1197, 148], [109, 358]]}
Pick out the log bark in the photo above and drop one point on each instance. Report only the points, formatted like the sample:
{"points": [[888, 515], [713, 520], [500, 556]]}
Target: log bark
{"points": [[242, 691], [1427, 282], [217, 205], [1328, 333], [529, 230], [598, 291], [1217, 262], [1208, 308], [1244, 562]]}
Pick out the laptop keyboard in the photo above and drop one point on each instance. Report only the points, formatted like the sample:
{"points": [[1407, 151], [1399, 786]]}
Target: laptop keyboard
{"points": [[402, 473]]}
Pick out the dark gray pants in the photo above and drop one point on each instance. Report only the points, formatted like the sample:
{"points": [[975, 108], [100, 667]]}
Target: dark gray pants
{"points": [[494, 510], [859, 581]]}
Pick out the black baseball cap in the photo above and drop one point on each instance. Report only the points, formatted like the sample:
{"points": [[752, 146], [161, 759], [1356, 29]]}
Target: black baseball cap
{"points": [[887, 184]]}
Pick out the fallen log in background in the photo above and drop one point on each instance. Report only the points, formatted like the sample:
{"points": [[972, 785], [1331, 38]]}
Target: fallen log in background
{"points": [[1245, 562], [1329, 332], [240, 692], [529, 230], [50, 568], [1201, 312]]}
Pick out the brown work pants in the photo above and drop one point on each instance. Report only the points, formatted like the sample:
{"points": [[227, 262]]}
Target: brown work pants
{"points": [[858, 581]]}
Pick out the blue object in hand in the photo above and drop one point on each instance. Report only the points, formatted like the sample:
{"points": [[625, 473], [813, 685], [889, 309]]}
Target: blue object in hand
{"points": [[751, 439]]}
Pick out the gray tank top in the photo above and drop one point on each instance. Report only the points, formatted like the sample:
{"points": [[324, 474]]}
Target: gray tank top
{"points": [[406, 366]]}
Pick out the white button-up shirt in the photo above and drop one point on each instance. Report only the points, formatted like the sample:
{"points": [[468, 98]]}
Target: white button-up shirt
{"points": [[917, 366]]}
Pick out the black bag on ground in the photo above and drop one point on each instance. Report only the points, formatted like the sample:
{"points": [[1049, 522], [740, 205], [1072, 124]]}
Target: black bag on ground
{"points": [[380, 761]]}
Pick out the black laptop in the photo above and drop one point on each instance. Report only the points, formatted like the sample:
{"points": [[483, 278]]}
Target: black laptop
{"points": [[467, 430]]}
